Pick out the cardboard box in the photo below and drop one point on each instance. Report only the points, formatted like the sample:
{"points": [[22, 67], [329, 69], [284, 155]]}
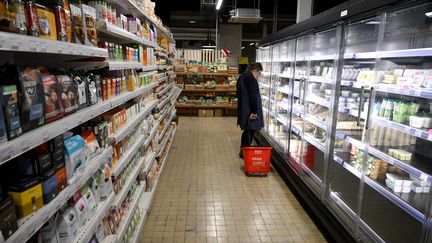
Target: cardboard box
{"points": [[218, 112], [209, 113], [202, 113]]}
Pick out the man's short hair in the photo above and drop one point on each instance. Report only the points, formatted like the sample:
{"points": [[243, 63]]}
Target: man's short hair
{"points": [[255, 67]]}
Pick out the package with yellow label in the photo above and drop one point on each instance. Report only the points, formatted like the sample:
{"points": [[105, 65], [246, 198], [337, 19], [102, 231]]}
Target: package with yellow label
{"points": [[26, 192], [47, 23]]}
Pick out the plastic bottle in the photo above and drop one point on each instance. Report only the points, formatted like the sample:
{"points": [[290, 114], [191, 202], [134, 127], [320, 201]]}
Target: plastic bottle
{"points": [[20, 17], [32, 18], [389, 109], [382, 108]]}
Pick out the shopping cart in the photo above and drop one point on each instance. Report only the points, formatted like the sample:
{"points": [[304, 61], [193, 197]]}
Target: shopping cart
{"points": [[256, 160]]}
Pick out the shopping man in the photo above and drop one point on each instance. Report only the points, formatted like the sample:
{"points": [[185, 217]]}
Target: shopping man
{"points": [[250, 117]]}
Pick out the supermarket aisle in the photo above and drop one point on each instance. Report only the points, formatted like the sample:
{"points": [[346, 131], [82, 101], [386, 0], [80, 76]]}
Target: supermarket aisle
{"points": [[204, 196]]}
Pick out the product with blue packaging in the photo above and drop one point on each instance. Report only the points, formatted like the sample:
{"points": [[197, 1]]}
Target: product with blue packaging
{"points": [[49, 185], [75, 157]]}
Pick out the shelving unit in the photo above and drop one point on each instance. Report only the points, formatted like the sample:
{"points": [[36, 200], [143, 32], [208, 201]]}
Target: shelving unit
{"points": [[33, 51], [344, 162]]}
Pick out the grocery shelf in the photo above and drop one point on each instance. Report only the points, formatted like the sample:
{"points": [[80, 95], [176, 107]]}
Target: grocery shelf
{"points": [[124, 161], [409, 168], [132, 8], [162, 67], [318, 79], [310, 139], [285, 75], [413, 198], [318, 100], [264, 85], [423, 134], [296, 130], [129, 214], [137, 234], [118, 65], [266, 74], [23, 43], [161, 54], [116, 101], [149, 68], [391, 88], [204, 74], [284, 89], [87, 232], [282, 118], [419, 52], [167, 125], [315, 121], [164, 142], [127, 185], [33, 138], [31, 224], [227, 106], [166, 89], [161, 80], [130, 126], [220, 90], [322, 57], [125, 36], [151, 135]]}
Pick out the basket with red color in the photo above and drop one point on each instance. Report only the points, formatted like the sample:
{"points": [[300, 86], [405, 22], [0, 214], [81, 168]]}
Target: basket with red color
{"points": [[256, 160]]}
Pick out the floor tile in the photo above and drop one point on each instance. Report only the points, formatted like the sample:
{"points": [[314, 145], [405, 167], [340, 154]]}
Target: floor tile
{"points": [[204, 196]]}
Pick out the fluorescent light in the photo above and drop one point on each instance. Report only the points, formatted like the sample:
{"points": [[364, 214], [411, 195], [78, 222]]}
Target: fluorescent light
{"points": [[218, 4], [428, 14], [242, 47], [373, 22], [192, 21], [251, 44]]}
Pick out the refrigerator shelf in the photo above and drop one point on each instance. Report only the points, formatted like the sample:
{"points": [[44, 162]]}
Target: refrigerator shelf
{"points": [[423, 134]]}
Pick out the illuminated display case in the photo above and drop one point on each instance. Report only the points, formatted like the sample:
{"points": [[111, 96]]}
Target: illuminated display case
{"points": [[349, 107]]}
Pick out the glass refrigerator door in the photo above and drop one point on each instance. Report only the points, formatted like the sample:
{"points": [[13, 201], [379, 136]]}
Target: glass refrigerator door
{"points": [[399, 123], [278, 126], [346, 163], [264, 82]]}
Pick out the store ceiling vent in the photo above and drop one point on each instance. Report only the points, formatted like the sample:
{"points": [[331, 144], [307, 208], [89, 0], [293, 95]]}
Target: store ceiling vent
{"points": [[245, 16]]}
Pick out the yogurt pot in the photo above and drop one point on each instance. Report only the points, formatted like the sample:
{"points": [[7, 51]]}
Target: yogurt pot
{"points": [[427, 122]]}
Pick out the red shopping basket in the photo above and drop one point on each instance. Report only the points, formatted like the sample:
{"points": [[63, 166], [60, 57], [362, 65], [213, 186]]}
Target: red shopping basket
{"points": [[256, 160]]}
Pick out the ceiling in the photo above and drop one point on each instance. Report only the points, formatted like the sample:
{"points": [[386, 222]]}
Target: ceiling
{"points": [[195, 19]]}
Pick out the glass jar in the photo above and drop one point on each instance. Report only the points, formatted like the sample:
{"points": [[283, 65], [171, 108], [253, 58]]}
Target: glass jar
{"points": [[12, 16]]}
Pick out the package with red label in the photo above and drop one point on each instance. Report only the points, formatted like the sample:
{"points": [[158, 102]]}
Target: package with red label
{"points": [[91, 144], [53, 103]]}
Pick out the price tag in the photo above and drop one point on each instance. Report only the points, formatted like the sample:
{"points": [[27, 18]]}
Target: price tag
{"points": [[14, 43], [424, 177], [26, 146], [60, 47], [34, 46], [418, 133], [43, 46], [6, 154]]}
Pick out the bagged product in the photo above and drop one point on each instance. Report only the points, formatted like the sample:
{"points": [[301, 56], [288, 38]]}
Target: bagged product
{"points": [[80, 208], [48, 234], [31, 98], [75, 157], [53, 103], [92, 92], [91, 144], [89, 200], [67, 225], [79, 33], [106, 186], [69, 93], [81, 82], [90, 24], [9, 101], [47, 23]]}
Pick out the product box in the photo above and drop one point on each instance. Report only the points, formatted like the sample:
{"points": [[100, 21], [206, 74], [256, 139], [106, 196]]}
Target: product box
{"points": [[3, 135], [61, 179], [9, 97], [122, 22], [69, 93], [56, 144], [42, 163], [80, 208], [75, 157], [47, 22], [53, 104], [27, 195], [49, 185], [8, 219], [133, 23], [31, 99], [218, 112], [58, 159], [101, 132]]}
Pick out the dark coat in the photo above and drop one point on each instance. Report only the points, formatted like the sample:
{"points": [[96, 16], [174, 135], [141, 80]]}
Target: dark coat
{"points": [[249, 101]]}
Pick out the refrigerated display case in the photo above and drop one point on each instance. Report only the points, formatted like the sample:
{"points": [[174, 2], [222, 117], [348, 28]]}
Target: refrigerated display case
{"points": [[349, 108]]}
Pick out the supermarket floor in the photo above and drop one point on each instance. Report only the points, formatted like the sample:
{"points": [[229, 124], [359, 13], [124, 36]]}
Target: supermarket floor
{"points": [[204, 196]]}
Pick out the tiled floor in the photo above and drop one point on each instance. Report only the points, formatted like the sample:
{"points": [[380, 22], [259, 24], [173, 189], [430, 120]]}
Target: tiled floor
{"points": [[204, 196]]}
